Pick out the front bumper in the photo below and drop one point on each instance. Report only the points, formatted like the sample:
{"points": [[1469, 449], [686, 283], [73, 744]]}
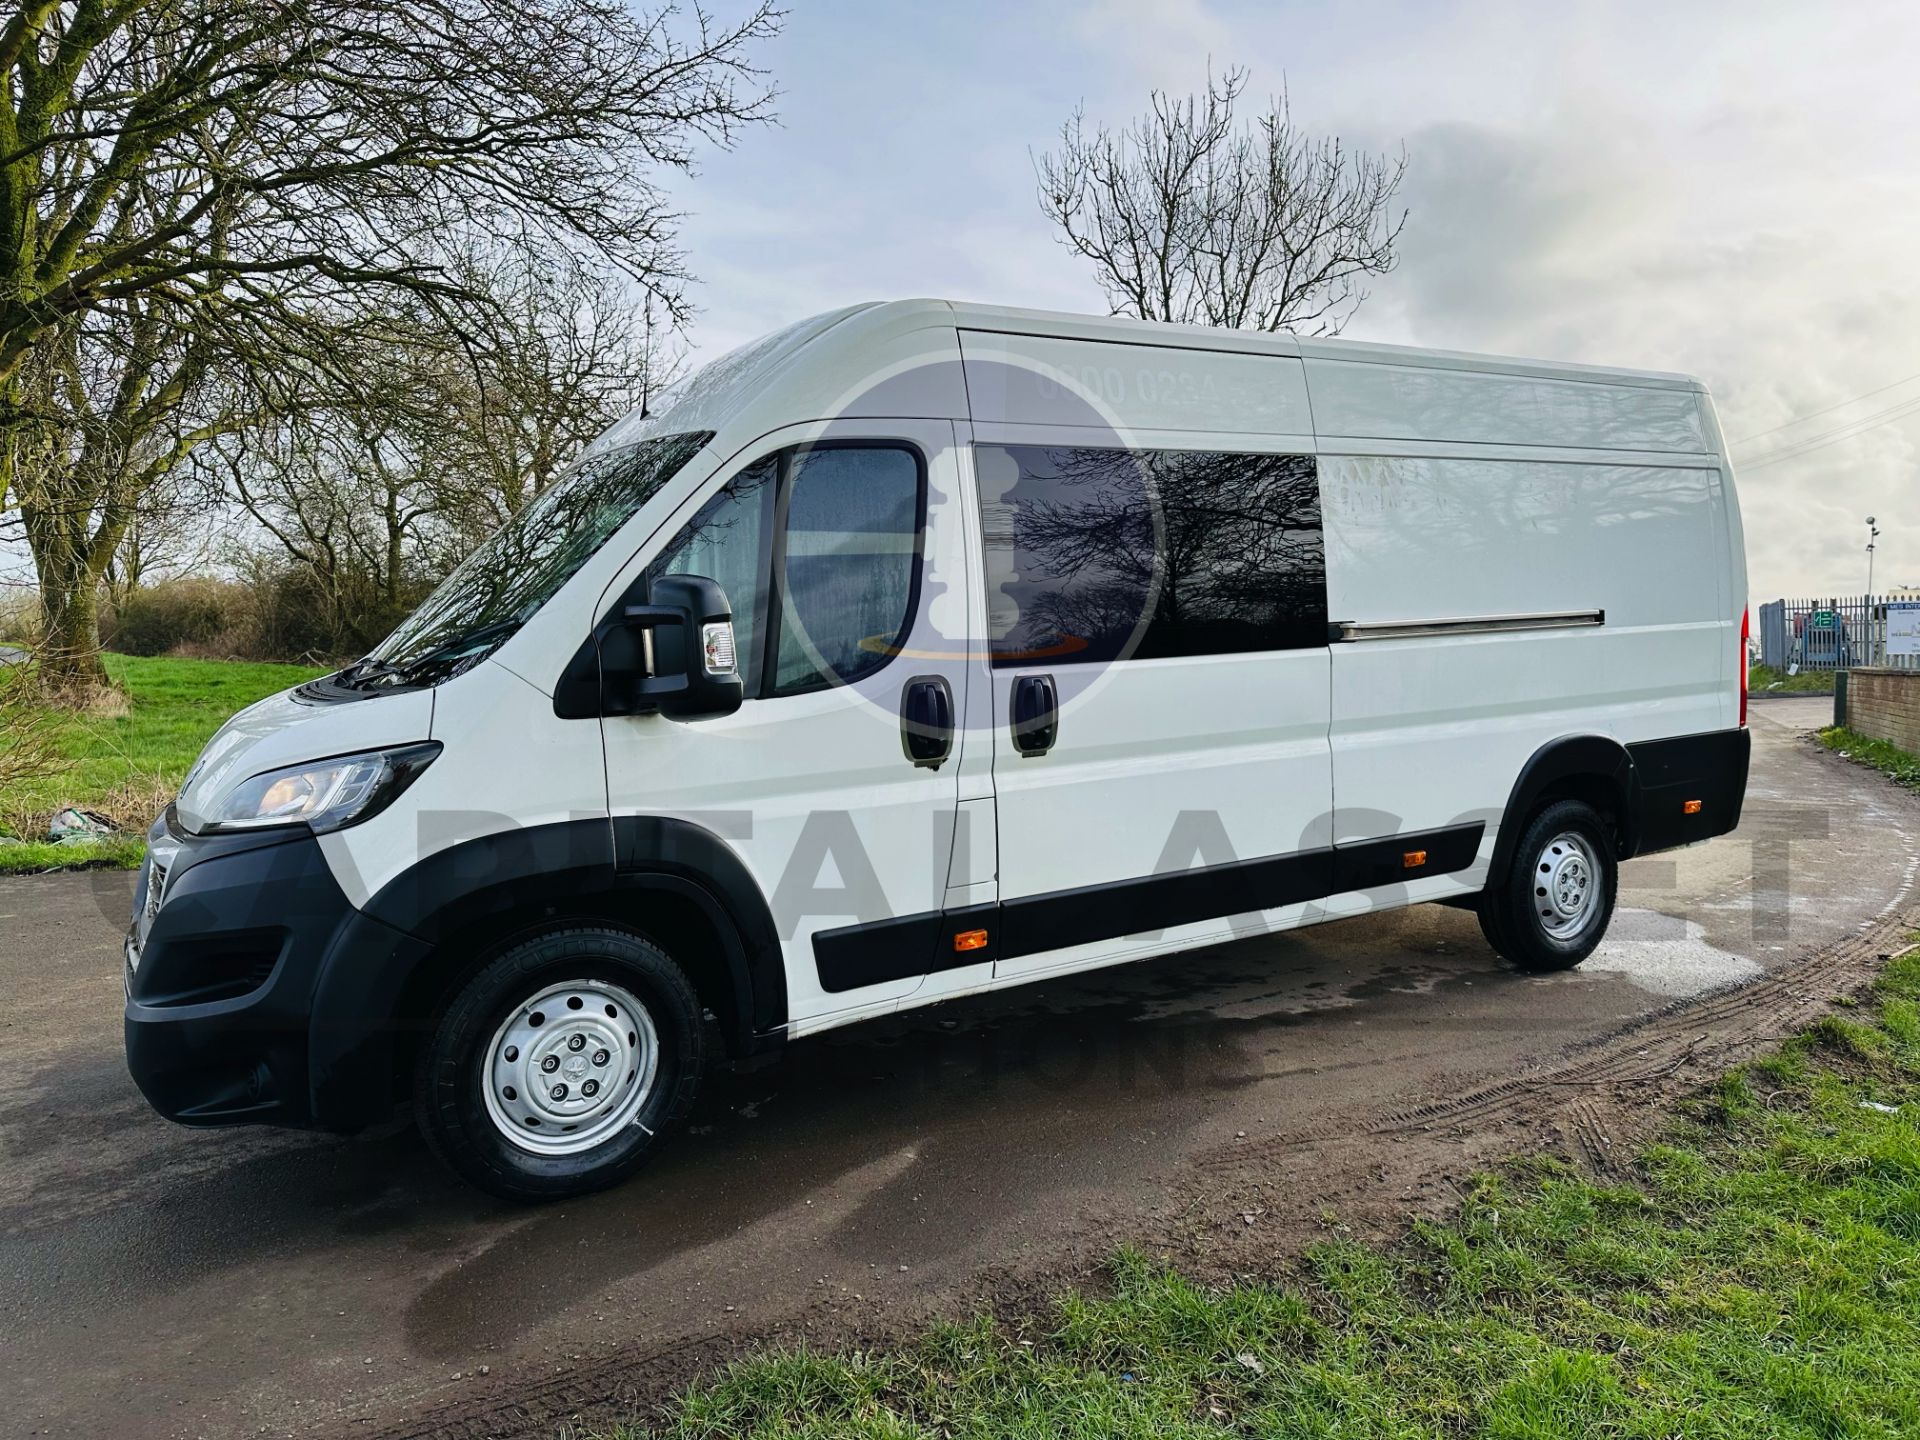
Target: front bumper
{"points": [[225, 965]]}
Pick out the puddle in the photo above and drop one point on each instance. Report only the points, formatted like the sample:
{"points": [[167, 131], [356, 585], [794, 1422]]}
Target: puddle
{"points": [[1664, 955]]}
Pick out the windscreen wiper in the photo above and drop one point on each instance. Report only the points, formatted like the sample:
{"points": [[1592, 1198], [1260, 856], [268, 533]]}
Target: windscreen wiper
{"points": [[366, 668]]}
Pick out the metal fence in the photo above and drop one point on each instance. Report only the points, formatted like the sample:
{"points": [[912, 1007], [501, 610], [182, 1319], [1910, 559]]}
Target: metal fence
{"points": [[1836, 633]]}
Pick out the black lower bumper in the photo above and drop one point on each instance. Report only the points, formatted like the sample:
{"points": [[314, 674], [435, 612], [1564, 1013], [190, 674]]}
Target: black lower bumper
{"points": [[225, 1021], [1688, 789]]}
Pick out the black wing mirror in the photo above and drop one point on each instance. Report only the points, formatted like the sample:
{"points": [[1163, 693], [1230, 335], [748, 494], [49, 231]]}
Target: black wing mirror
{"points": [[674, 654]]}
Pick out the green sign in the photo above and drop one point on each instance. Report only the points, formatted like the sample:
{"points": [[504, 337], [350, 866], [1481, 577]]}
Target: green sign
{"points": [[1823, 620]]}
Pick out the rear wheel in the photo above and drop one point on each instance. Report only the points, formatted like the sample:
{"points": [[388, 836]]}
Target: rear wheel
{"points": [[1554, 906], [555, 1069]]}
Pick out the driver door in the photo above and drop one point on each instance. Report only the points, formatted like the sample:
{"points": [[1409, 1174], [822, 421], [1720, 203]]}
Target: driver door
{"points": [[841, 548]]}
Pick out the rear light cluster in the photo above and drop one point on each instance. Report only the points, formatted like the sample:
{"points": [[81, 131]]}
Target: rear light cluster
{"points": [[1746, 618]]}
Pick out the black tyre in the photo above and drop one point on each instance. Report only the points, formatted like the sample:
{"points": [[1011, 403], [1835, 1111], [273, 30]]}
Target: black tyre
{"points": [[556, 1068], [1551, 910]]}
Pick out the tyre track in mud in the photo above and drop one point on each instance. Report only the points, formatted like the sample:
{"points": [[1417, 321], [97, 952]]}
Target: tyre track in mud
{"points": [[1709, 1033]]}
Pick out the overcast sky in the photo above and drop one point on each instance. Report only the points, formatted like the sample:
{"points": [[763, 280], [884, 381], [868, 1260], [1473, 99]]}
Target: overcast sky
{"points": [[1727, 190]]}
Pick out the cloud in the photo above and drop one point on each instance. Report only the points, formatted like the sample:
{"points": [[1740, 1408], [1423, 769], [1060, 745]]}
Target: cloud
{"points": [[1725, 190], [1582, 240]]}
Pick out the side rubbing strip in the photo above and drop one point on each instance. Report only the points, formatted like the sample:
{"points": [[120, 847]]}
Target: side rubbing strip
{"points": [[879, 951], [1036, 923], [873, 953], [1386, 862], [1342, 631], [883, 950]]}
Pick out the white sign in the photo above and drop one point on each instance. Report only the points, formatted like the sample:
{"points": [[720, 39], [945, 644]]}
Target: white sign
{"points": [[1903, 627]]}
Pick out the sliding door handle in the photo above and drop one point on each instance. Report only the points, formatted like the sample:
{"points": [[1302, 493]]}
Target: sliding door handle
{"points": [[1036, 714], [926, 721]]}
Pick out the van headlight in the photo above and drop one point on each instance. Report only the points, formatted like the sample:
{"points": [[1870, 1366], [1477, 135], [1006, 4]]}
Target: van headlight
{"points": [[321, 794]]}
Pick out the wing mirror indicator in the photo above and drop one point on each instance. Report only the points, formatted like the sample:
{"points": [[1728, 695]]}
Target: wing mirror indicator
{"points": [[716, 647]]}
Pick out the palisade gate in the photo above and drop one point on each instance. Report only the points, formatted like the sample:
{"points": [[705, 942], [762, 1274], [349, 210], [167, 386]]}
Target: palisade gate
{"points": [[1841, 632]]}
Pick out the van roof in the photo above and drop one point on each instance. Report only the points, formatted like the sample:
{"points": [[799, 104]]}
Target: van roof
{"points": [[897, 357], [1114, 329]]}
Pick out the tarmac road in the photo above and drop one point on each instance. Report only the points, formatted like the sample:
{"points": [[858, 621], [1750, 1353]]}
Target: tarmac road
{"points": [[161, 1281]]}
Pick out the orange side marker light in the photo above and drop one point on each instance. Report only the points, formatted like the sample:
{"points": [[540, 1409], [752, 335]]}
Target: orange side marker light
{"points": [[1413, 859], [1690, 807], [970, 940]]}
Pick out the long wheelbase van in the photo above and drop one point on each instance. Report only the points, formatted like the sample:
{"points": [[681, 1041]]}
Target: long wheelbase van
{"points": [[923, 649]]}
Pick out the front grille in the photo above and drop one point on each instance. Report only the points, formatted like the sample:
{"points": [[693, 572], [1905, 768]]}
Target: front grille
{"points": [[156, 888]]}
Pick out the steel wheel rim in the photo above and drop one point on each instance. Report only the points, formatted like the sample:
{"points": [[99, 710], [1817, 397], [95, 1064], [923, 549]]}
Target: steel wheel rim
{"points": [[1566, 885], [570, 1067]]}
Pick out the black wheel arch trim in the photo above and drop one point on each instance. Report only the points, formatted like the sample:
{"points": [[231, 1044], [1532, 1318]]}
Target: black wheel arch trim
{"points": [[1650, 781], [568, 865], [1572, 757]]}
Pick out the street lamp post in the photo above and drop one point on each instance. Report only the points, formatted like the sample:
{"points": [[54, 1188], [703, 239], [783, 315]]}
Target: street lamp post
{"points": [[1873, 534]]}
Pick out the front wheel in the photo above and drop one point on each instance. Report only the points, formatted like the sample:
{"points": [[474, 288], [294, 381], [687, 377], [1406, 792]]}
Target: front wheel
{"points": [[553, 1070], [1553, 908]]}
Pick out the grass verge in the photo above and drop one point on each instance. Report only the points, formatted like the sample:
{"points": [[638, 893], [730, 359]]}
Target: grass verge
{"points": [[112, 852], [1890, 760], [128, 765], [1762, 679], [1758, 1275]]}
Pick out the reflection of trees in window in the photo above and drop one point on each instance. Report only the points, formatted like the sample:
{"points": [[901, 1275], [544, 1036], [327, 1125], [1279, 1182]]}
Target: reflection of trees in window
{"points": [[1110, 554], [518, 570], [725, 541]]}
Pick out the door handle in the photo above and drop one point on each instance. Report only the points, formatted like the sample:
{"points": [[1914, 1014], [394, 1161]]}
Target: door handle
{"points": [[926, 721], [1036, 714]]}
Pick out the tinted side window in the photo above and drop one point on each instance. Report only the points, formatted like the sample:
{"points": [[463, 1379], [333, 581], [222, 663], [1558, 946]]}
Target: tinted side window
{"points": [[848, 563], [1100, 555], [727, 541]]}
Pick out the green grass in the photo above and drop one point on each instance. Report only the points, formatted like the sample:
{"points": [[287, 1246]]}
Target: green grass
{"points": [[1890, 760], [127, 766], [114, 852], [1758, 1276], [1763, 678]]}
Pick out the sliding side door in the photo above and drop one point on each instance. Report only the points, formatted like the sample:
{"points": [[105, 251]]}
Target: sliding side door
{"points": [[1157, 630]]}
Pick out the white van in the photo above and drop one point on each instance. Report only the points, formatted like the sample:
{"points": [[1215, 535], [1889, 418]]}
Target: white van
{"points": [[923, 649]]}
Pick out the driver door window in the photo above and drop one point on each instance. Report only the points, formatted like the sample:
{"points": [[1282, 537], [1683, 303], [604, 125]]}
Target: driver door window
{"points": [[848, 521], [727, 541]]}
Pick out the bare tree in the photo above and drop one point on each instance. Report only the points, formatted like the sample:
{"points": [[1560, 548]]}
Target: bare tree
{"points": [[351, 493], [377, 493], [120, 399], [562, 352], [220, 182], [178, 527], [1189, 217]]}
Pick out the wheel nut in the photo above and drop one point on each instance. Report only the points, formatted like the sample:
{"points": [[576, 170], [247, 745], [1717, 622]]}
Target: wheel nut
{"points": [[550, 1064], [560, 1091], [576, 1042], [600, 1057], [590, 1089], [513, 1053]]}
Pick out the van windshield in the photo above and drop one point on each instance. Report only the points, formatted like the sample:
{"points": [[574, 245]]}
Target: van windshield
{"points": [[500, 586]]}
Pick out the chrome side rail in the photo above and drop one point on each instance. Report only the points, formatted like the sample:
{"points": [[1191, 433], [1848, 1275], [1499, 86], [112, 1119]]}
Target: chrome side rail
{"points": [[1344, 631]]}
